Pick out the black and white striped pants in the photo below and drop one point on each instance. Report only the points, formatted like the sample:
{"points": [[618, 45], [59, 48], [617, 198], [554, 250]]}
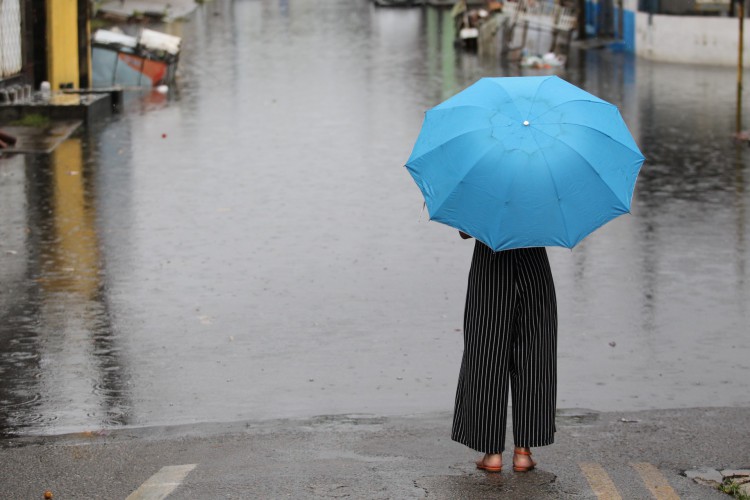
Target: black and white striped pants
{"points": [[510, 337]]}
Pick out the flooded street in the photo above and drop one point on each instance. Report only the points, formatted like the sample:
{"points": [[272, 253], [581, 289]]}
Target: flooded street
{"points": [[250, 246]]}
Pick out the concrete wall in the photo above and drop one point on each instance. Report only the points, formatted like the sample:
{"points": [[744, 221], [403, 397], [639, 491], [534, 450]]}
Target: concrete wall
{"points": [[689, 39], [628, 25]]}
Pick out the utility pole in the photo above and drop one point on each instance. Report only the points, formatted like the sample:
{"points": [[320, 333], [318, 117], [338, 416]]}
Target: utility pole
{"points": [[581, 7], [740, 50]]}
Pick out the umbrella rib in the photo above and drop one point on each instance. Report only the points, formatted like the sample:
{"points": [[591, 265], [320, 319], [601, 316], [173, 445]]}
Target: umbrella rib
{"points": [[596, 130], [462, 179], [590, 101], [511, 99], [457, 106], [581, 125], [533, 100], [443, 143], [587, 162], [492, 110], [557, 193]]}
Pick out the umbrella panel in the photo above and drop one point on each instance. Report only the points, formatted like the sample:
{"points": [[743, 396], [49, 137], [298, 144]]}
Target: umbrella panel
{"points": [[519, 162]]}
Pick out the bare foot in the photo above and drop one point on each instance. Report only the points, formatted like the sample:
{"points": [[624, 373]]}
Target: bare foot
{"points": [[522, 461], [492, 462]]}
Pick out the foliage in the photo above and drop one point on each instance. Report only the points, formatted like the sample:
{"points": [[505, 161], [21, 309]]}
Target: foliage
{"points": [[732, 488], [32, 120]]}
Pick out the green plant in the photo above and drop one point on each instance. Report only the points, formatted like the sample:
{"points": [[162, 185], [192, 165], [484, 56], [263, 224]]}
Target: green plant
{"points": [[32, 120], [98, 23], [732, 488]]}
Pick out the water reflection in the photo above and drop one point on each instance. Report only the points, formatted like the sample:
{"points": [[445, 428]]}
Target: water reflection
{"points": [[441, 54], [685, 241], [60, 362], [249, 245]]}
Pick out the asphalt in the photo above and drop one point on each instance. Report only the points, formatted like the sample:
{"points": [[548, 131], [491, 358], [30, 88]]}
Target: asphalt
{"points": [[636, 455]]}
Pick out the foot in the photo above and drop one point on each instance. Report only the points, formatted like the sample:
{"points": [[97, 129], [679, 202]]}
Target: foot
{"points": [[491, 462], [522, 461]]}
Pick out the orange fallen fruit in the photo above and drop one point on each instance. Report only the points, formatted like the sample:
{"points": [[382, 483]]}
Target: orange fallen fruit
{"points": [[47, 494]]}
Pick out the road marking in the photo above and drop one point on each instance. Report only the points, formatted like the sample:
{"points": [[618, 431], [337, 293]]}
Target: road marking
{"points": [[655, 481], [161, 484], [600, 481]]}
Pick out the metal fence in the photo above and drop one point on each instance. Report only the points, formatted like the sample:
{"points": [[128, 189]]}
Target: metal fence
{"points": [[11, 60]]}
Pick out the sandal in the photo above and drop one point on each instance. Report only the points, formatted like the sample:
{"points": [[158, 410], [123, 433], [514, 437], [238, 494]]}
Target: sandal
{"points": [[488, 468], [523, 468]]}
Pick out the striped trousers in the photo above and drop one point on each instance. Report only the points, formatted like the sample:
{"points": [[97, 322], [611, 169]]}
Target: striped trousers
{"points": [[510, 339]]}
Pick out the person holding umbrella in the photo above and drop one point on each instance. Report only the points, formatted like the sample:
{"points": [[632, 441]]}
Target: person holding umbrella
{"points": [[510, 339], [519, 164]]}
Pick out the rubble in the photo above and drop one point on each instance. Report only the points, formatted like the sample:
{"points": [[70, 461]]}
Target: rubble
{"points": [[732, 481]]}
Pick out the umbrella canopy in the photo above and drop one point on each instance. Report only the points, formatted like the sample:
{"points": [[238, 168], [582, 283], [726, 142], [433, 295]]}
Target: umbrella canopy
{"points": [[525, 162]]}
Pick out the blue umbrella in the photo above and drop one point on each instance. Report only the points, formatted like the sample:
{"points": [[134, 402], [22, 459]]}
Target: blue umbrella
{"points": [[525, 162]]}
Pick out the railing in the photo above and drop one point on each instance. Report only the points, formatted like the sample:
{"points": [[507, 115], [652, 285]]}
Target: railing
{"points": [[11, 60]]}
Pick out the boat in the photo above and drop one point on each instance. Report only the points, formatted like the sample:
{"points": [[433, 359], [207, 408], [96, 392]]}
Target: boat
{"points": [[147, 60]]}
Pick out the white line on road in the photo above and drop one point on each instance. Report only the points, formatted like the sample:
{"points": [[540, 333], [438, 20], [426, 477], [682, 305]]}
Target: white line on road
{"points": [[161, 484]]}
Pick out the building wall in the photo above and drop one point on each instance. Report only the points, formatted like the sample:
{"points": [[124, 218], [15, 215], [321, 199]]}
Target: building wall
{"points": [[688, 39], [62, 43], [628, 24]]}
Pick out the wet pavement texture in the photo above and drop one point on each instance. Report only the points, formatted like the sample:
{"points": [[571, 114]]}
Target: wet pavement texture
{"points": [[251, 247], [375, 457], [40, 139]]}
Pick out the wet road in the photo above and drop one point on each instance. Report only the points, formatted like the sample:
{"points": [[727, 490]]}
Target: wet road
{"points": [[251, 246]]}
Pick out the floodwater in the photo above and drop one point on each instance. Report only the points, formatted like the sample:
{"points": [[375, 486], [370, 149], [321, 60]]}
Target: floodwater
{"points": [[250, 246]]}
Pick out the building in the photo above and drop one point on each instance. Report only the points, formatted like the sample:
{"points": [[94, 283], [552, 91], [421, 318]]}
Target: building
{"points": [[45, 40], [681, 31]]}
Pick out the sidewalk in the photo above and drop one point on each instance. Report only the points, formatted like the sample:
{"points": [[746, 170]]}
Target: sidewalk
{"points": [[637, 455]]}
